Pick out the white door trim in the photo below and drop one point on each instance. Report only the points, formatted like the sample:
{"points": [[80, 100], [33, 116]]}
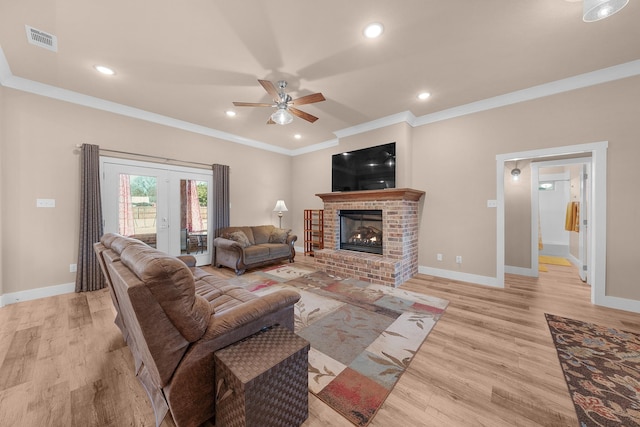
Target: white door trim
{"points": [[598, 231]]}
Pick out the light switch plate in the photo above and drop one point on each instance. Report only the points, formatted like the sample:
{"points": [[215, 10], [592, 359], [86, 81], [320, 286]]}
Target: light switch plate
{"points": [[492, 203], [46, 203]]}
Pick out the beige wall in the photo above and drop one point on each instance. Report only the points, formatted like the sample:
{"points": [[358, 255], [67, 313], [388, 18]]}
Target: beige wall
{"points": [[38, 143], [517, 216], [459, 173], [454, 161]]}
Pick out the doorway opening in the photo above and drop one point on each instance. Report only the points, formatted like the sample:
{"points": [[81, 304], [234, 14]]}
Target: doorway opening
{"points": [[596, 210]]}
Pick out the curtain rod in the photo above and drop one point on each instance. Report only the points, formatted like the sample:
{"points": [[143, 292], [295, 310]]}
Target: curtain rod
{"points": [[149, 156]]}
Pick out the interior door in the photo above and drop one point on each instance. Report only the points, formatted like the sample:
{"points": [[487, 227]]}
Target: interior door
{"points": [[165, 206], [585, 195]]}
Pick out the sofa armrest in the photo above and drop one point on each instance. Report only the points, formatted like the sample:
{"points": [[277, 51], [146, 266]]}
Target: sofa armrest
{"points": [[190, 260], [234, 318], [291, 238]]}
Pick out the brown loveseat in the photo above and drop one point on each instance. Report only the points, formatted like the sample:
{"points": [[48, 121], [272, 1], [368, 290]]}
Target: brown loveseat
{"points": [[174, 317], [247, 247]]}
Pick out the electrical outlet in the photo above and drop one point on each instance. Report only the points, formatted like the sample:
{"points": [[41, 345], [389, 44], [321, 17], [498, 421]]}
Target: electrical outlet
{"points": [[458, 259], [73, 268], [439, 257]]}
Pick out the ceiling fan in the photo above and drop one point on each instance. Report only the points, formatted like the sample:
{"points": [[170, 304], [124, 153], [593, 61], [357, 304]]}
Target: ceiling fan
{"points": [[284, 103]]}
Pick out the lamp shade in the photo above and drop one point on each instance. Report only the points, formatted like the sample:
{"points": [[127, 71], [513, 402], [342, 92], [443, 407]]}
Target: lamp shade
{"points": [[280, 206], [595, 10], [282, 117]]}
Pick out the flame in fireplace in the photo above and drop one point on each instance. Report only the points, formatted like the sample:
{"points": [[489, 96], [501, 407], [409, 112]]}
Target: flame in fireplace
{"points": [[366, 236]]}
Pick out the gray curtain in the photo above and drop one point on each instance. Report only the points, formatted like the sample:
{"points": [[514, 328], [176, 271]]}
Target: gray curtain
{"points": [[220, 201], [89, 276]]}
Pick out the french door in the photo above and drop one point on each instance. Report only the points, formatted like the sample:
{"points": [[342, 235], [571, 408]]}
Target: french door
{"points": [[164, 206]]}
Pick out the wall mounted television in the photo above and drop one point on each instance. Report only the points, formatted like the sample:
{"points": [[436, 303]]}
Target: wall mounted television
{"points": [[372, 168]]}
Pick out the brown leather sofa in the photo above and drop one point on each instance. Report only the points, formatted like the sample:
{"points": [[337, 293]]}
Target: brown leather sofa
{"points": [[248, 247], [174, 316]]}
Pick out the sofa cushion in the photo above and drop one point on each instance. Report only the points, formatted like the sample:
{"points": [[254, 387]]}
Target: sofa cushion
{"points": [[171, 282], [120, 243], [261, 233], [246, 230], [278, 250], [279, 235], [256, 253], [239, 237]]}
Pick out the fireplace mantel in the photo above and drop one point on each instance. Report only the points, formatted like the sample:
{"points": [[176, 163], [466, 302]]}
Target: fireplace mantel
{"points": [[386, 194]]}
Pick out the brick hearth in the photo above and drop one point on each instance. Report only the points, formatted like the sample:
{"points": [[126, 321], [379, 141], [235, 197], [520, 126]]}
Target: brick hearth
{"points": [[399, 259]]}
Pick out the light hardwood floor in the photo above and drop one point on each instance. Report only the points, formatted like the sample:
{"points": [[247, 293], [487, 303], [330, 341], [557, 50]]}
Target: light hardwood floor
{"points": [[489, 361]]}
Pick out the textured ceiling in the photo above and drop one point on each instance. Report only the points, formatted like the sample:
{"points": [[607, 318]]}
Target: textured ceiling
{"points": [[190, 60]]}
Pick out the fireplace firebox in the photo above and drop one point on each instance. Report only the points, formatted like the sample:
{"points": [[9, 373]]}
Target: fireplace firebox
{"points": [[361, 230]]}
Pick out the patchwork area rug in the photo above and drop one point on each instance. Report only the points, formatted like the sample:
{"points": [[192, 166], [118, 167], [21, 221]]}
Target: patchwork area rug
{"points": [[363, 336], [602, 368]]}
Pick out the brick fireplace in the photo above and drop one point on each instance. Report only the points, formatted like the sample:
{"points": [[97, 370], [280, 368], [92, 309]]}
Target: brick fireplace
{"points": [[399, 259]]}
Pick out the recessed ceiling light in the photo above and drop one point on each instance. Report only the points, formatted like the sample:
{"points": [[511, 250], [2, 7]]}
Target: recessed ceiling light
{"points": [[374, 30], [297, 136], [230, 113], [423, 95], [104, 70]]}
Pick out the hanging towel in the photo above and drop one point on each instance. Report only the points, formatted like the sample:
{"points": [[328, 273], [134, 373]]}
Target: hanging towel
{"points": [[572, 218], [540, 245]]}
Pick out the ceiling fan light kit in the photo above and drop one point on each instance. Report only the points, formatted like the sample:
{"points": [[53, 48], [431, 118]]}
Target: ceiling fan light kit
{"points": [[284, 103], [282, 117], [595, 10]]}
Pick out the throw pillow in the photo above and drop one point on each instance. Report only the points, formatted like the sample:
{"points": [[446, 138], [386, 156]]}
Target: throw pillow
{"points": [[240, 238], [279, 235]]}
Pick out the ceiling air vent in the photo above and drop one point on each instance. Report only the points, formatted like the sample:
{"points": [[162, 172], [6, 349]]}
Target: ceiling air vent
{"points": [[42, 39]]}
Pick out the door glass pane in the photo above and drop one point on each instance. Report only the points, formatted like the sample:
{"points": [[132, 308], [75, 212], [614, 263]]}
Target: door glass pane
{"points": [[193, 216], [137, 208]]}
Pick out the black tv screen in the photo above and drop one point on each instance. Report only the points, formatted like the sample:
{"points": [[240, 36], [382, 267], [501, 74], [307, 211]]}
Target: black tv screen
{"points": [[372, 168]]}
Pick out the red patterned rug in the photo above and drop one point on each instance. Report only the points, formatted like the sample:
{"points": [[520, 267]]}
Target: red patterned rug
{"points": [[602, 368], [363, 336]]}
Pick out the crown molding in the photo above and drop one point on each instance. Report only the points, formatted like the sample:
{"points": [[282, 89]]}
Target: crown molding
{"points": [[9, 80], [621, 71], [403, 117], [617, 72], [5, 71], [315, 147]]}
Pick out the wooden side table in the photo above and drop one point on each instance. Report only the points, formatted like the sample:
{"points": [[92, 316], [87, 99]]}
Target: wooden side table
{"points": [[262, 381]]}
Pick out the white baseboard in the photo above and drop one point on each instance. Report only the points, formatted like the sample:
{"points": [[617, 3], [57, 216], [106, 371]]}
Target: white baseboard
{"points": [[619, 303], [32, 294], [456, 275], [521, 271], [553, 249]]}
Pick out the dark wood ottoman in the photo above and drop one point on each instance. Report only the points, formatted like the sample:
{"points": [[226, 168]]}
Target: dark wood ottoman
{"points": [[262, 381]]}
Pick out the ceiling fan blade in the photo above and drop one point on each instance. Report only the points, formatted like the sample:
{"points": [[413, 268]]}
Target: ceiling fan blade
{"points": [[252, 104], [309, 99], [308, 117], [270, 88]]}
